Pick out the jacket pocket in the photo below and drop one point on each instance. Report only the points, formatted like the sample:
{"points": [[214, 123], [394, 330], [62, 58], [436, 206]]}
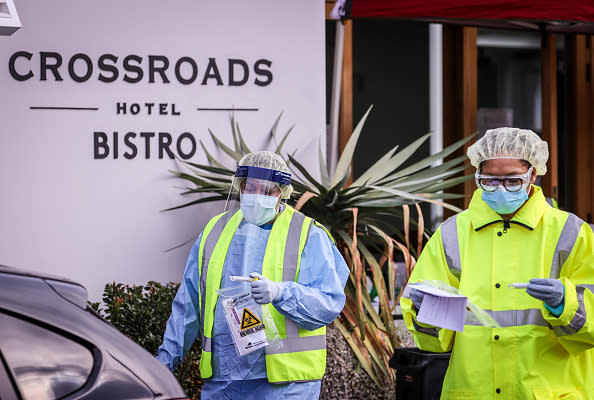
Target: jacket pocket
{"points": [[564, 393], [459, 395]]}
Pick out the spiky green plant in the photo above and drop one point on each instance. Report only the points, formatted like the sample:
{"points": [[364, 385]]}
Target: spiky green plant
{"points": [[364, 216]]}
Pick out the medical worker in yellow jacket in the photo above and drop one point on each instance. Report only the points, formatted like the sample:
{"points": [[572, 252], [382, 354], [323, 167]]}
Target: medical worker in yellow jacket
{"points": [[509, 234], [300, 278]]}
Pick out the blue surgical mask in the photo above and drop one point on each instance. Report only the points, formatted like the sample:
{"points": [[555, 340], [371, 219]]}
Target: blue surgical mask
{"points": [[258, 209], [503, 202]]}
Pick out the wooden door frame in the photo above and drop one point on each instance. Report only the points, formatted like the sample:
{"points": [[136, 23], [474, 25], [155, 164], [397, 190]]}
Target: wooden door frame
{"points": [[579, 125], [550, 181], [345, 125], [460, 102], [460, 96]]}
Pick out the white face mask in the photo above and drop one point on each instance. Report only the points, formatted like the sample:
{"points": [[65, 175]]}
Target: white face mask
{"points": [[258, 209]]}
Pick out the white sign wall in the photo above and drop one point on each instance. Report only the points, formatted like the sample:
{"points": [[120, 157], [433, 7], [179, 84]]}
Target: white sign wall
{"points": [[96, 99]]}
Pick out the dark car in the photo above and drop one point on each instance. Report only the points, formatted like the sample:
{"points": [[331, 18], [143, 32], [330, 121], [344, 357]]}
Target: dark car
{"points": [[54, 346]]}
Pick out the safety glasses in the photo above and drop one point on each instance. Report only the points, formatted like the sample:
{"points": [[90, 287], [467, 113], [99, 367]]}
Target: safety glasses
{"points": [[512, 183]]}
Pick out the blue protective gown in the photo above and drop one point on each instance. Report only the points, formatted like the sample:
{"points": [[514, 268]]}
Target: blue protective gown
{"points": [[314, 301]]}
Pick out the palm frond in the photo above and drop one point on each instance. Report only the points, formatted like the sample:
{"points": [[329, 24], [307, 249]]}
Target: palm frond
{"points": [[346, 158]]}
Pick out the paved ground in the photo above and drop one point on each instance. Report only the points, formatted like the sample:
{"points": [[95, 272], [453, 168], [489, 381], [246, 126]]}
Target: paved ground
{"points": [[404, 334], [345, 380]]}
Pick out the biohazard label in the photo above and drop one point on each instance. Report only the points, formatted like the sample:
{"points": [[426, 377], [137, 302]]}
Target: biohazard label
{"points": [[248, 331], [249, 319]]}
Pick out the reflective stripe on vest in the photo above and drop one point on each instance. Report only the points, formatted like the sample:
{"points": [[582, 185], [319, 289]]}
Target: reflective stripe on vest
{"points": [[533, 316], [291, 261], [578, 320], [507, 318], [567, 239], [206, 251], [451, 249], [303, 354], [226, 224], [428, 331]]}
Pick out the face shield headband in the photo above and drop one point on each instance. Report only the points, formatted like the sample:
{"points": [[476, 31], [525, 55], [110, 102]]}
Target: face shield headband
{"points": [[282, 178]]}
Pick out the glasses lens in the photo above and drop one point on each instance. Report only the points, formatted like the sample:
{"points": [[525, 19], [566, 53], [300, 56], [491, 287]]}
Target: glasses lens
{"points": [[489, 185], [513, 185]]}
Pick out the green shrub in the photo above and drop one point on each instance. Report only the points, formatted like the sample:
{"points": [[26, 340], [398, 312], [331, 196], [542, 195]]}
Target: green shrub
{"points": [[141, 313]]}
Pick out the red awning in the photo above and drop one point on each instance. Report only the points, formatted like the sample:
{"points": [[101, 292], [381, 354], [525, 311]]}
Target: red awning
{"points": [[553, 15]]}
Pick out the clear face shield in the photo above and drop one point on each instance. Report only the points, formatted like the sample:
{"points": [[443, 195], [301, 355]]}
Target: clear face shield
{"points": [[256, 191]]}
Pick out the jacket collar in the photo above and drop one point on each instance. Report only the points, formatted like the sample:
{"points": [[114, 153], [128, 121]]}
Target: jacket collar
{"points": [[528, 216]]}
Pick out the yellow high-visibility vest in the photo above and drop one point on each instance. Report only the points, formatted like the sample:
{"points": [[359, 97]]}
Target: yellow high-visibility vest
{"points": [[533, 354], [303, 353]]}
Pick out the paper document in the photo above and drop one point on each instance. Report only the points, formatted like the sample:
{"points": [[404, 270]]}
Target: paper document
{"points": [[441, 309]]}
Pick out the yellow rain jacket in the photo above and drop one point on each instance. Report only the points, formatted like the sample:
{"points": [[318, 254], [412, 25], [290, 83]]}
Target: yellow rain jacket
{"points": [[533, 355]]}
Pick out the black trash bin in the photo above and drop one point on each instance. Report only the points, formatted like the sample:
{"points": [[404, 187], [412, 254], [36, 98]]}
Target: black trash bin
{"points": [[419, 374]]}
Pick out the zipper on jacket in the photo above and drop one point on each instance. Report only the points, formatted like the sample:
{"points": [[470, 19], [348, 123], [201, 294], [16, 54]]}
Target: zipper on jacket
{"points": [[490, 223], [505, 226], [522, 225]]}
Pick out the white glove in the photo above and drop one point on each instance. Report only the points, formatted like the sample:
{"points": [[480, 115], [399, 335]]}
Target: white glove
{"points": [[264, 290]]}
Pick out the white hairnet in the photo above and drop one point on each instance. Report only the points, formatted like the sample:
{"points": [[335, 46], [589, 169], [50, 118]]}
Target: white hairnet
{"points": [[514, 143], [270, 160]]}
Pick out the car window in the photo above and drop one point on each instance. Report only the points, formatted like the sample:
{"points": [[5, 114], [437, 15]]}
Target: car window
{"points": [[45, 364]]}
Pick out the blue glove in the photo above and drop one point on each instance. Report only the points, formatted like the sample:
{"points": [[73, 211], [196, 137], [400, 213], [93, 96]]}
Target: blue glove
{"points": [[550, 291], [417, 297], [264, 290]]}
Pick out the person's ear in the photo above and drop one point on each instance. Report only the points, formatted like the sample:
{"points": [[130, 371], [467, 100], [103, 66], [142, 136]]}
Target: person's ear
{"points": [[533, 177]]}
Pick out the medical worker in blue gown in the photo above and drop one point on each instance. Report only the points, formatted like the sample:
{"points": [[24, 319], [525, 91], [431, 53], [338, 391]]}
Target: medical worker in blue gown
{"points": [[309, 296]]}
